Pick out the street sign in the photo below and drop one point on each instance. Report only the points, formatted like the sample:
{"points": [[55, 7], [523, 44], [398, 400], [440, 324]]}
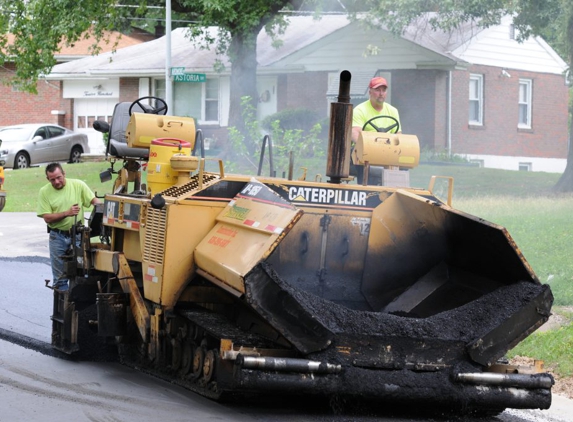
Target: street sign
{"points": [[176, 71], [190, 77]]}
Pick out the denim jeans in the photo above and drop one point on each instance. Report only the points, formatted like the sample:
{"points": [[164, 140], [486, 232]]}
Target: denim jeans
{"points": [[60, 244]]}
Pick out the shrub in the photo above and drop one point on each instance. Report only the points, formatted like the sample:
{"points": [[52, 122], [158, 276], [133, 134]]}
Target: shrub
{"points": [[292, 119], [437, 155], [302, 143]]}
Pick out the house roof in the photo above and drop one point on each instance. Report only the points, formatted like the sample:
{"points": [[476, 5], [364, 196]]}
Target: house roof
{"points": [[441, 42], [310, 44], [496, 46], [150, 58], [144, 59], [302, 31], [84, 46]]}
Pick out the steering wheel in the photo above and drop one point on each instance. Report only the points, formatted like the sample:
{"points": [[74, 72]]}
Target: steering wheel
{"points": [[396, 124], [162, 109]]}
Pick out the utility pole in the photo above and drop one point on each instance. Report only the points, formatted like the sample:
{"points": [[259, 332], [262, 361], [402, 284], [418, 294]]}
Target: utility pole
{"points": [[168, 82]]}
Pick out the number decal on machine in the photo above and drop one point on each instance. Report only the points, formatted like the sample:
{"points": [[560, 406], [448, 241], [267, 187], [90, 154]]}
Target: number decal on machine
{"points": [[363, 224]]}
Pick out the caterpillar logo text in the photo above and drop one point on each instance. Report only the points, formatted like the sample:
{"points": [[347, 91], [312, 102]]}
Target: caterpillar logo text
{"points": [[327, 196]]}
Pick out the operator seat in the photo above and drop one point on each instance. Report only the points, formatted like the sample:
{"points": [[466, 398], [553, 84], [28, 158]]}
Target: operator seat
{"points": [[117, 146], [374, 174]]}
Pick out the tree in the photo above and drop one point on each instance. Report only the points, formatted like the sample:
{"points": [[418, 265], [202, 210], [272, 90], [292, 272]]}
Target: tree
{"points": [[39, 27], [239, 24], [556, 25], [32, 31]]}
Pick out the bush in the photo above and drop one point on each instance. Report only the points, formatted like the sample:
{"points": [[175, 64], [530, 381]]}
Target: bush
{"points": [[303, 141], [292, 119], [437, 155]]}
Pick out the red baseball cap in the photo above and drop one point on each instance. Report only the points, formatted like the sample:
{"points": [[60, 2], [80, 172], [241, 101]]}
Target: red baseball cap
{"points": [[378, 81]]}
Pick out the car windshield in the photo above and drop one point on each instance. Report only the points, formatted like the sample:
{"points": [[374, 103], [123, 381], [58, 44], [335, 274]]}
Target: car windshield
{"points": [[15, 134]]}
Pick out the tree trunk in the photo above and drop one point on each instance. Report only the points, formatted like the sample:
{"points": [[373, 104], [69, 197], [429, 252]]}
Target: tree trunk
{"points": [[565, 182], [243, 56]]}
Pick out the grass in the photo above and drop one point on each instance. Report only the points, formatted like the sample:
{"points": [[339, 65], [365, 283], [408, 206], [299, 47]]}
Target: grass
{"points": [[538, 225], [552, 347], [538, 220], [475, 182], [22, 186]]}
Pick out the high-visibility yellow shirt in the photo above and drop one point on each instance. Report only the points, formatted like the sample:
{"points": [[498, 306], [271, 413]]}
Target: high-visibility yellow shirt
{"points": [[52, 200], [364, 112]]}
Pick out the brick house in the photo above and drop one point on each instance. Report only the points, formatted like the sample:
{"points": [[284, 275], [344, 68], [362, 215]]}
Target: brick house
{"points": [[474, 92]]}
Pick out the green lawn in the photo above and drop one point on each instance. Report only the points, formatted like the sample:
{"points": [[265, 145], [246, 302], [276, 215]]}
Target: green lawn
{"points": [[523, 202], [538, 219], [22, 185]]}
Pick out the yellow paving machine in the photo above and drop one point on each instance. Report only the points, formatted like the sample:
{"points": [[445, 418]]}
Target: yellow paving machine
{"points": [[228, 283]]}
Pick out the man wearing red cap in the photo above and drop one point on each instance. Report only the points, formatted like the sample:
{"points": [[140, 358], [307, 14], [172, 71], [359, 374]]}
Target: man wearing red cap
{"points": [[375, 106]]}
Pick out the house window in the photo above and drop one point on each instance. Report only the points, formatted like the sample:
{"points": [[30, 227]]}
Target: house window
{"points": [[212, 100], [524, 104], [160, 89], [476, 100], [525, 166], [197, 100]]}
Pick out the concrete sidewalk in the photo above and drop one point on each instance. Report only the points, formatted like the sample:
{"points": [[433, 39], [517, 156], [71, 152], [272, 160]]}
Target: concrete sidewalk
{"points": [[23, 234]]}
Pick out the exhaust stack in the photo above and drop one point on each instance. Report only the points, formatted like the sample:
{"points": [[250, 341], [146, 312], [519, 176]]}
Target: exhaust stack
{"points": [[340, 132]]}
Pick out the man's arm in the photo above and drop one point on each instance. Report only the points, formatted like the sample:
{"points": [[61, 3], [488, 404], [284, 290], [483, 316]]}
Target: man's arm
{"points": [[59, 216], [74, 210], [396, 115], [358, 120], [356, 132]]}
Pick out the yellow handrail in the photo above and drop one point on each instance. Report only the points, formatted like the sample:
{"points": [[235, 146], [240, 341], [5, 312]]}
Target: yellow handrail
{"points": [[450, 187]]}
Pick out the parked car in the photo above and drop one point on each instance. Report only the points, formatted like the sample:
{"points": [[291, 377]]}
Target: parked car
{"points": [[28, 144]]}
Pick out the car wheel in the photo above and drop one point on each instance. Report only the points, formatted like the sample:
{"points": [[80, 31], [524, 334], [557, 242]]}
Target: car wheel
{"points": [[76, 154], [21, 161]]}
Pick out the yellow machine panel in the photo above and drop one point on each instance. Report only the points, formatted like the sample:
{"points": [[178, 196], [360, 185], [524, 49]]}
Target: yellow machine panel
{"points": [[143, 128], [170, 237], [127, 214], [160, 173], [387, 149], [246, 231]]}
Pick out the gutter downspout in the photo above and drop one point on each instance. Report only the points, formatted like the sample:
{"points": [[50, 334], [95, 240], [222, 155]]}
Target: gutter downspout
{"points": [[168, 82], [449, 115]]}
